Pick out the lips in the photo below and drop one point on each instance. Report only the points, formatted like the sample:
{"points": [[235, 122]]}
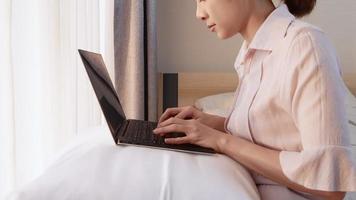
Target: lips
{"points": [[211, 27]]}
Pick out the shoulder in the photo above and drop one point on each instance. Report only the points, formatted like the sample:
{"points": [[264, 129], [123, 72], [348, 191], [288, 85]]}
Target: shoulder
{"points": [[309, 58], [302, 35], [299, 27], [305, 42]]}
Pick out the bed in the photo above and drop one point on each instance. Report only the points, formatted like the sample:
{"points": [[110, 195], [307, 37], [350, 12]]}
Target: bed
{"points": [[92, 167]]}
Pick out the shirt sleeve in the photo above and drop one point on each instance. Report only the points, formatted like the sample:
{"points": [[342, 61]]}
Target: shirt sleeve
{"points": [[315, 93]]}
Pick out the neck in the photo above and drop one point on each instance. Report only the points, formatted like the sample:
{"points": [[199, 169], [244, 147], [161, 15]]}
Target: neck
{"points": [[261, 11]]}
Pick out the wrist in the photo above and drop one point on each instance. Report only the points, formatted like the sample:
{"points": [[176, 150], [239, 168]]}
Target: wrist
{"points": [[217, 122], [222, 142]]}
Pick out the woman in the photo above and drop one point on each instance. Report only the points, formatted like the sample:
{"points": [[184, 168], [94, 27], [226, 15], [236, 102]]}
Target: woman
{"points": [[288, 123]]}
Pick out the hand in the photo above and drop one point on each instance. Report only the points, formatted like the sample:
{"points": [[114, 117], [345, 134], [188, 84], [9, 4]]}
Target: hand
{"points": [[196, 133], [191, 112]]}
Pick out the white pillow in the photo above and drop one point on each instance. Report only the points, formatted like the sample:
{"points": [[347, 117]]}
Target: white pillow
{"points": [[220, 104]]}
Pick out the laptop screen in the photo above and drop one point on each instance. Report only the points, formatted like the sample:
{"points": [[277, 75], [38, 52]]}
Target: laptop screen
{"points": [[104, 90]]}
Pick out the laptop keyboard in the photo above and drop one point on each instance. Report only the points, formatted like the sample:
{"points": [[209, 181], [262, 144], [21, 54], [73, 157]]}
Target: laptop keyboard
{"points": [[141, 133]]}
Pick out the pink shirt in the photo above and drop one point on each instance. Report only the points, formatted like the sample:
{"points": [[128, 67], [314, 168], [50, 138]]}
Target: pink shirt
{"points": [[291, 99]]}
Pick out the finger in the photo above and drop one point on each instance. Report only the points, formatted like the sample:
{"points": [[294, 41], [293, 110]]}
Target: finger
{"points": [[172, 120], [177, 140], [169, 113], [170, 128], [188, 112]]}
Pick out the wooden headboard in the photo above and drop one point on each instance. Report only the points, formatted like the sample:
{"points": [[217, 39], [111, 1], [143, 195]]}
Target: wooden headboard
{"points": [[180, 89], [192, 86]]}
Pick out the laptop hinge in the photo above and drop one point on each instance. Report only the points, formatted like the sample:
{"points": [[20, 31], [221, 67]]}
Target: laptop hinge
{"points": [[121, 131]]}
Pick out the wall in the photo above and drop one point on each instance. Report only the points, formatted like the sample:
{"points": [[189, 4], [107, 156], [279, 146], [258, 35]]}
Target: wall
{"points": [[185, 44]]}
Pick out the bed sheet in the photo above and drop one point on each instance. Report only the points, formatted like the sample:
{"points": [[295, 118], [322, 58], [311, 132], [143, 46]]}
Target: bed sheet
{"points": [[93, 167]]}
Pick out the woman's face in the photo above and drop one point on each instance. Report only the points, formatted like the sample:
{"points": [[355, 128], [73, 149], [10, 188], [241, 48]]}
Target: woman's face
{"points": [[225, 17]]}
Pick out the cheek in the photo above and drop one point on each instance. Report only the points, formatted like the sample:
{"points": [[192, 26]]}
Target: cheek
{"points": [[230, 25]]}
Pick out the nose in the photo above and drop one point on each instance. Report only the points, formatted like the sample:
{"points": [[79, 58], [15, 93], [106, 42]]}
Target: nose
{"points": [[200, 13]]}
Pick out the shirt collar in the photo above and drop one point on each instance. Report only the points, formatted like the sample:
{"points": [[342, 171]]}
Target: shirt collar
{"points": [[272, 30]]}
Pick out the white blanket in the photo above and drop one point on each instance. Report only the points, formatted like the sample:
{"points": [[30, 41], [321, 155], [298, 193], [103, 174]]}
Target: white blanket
{"points": [[95, 168]]}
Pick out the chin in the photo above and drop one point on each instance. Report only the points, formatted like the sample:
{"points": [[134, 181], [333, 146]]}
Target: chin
{"points": [[223, 36]]}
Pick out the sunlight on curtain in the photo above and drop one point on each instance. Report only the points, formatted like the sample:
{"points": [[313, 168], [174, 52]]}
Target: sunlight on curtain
{"points": [[45, 95], [6, 101]]}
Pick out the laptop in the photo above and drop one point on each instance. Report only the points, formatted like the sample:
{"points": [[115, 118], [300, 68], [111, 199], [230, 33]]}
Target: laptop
{"points": [[127, 131]]}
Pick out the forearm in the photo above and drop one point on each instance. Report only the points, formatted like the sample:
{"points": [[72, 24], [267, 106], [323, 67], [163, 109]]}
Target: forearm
{"points": [[264, 161], [216, 122]]}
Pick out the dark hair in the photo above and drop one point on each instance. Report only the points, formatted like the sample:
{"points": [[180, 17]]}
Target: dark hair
{"points": [[300, 8]]}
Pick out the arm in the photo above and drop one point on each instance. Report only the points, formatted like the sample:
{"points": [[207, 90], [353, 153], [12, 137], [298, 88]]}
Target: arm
{"points": [[215, 122], [257, 158], [265, 162]]}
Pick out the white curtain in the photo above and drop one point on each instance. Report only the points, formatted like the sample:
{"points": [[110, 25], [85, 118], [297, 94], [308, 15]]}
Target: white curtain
{"points": [[45, 96]]}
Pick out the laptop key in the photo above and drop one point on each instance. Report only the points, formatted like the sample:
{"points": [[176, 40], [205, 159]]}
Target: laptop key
{"points": [[147, 132]]}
